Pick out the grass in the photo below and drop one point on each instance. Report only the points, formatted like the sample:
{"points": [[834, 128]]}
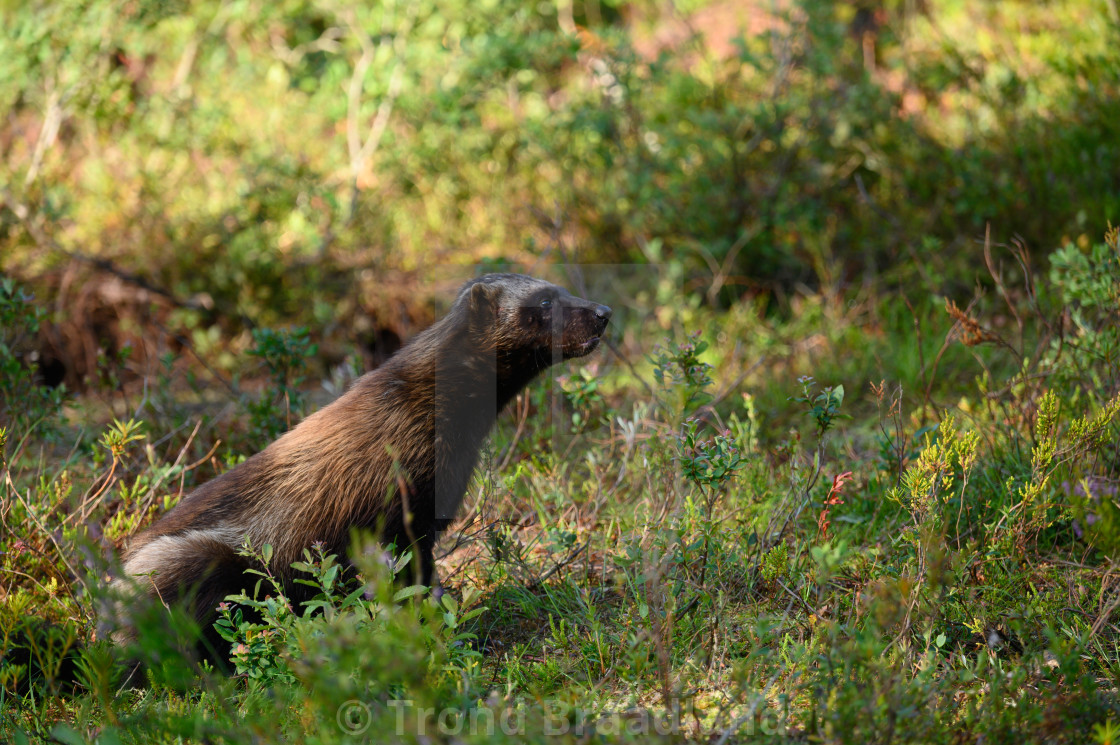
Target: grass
{"points": [[870, 520]]}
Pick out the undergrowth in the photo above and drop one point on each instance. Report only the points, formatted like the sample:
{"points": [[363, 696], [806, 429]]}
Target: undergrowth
{"points": [[683, 547]]}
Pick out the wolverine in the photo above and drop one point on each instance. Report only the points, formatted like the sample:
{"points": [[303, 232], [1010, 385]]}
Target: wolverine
{"points": [[393, 455]]}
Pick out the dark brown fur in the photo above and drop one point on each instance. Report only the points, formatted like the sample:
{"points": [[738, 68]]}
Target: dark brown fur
{"points": [[394, 454]]}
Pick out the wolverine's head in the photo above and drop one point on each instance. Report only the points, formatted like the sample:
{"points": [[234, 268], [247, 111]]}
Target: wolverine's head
{"points": [[527, 316]]}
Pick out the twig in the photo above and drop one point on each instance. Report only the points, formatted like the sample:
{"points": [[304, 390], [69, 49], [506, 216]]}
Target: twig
{"points": [[45, 242], [561, 564], [1104, 616], [47, 134], [96, 498], [327, 42], [522, 417], [614, 350], [361, 150], [30, 513], [186, 470], [796, 597]]}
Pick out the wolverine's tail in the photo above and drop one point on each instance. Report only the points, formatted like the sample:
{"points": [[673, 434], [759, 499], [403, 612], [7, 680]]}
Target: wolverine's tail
{"points": [[194, 571]]}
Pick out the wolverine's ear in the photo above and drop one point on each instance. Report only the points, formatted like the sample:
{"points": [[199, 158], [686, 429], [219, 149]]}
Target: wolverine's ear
{"points": [[483, 300]]}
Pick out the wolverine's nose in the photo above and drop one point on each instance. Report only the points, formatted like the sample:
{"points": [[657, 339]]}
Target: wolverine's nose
{"points": [[603, 312]]}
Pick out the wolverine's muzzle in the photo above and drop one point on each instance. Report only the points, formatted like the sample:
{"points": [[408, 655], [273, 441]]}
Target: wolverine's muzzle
{"points": [[585, 329]]}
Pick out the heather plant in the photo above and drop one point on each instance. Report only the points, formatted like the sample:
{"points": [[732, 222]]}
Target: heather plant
{"points": [[1096, 508], [929, 488]]}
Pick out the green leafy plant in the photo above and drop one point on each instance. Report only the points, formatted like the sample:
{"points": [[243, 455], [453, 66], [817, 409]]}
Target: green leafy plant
{"points": [[582, 393], [286, 354], [1096, 507], [265, 649], [824, 407], [708, 462], [1088, 283], [26, 405], [679, 368]]}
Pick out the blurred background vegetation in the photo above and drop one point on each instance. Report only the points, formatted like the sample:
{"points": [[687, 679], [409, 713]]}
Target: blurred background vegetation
{"points": [[190, 171]]}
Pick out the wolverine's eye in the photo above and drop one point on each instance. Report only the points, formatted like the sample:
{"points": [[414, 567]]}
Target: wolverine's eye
{"points": [[546, 303]]}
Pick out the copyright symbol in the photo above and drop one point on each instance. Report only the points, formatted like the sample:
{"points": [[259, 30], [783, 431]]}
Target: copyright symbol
{"points": [[353, 717]]}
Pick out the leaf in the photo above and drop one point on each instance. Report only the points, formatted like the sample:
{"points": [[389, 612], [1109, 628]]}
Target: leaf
{"points": [[402, 562], [408, 592], [64, 733], [353, 597], [108, 736]]}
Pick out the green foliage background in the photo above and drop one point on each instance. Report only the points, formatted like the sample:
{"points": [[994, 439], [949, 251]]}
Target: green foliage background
{"points": [[243, 156]]}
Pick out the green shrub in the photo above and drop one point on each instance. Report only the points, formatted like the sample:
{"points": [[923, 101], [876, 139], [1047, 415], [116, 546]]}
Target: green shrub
{"points": [[286, 354], [26, 404]]}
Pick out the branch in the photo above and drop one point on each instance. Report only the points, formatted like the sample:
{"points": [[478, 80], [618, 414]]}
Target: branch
{"points": [[45, 242], [361, 150]]}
